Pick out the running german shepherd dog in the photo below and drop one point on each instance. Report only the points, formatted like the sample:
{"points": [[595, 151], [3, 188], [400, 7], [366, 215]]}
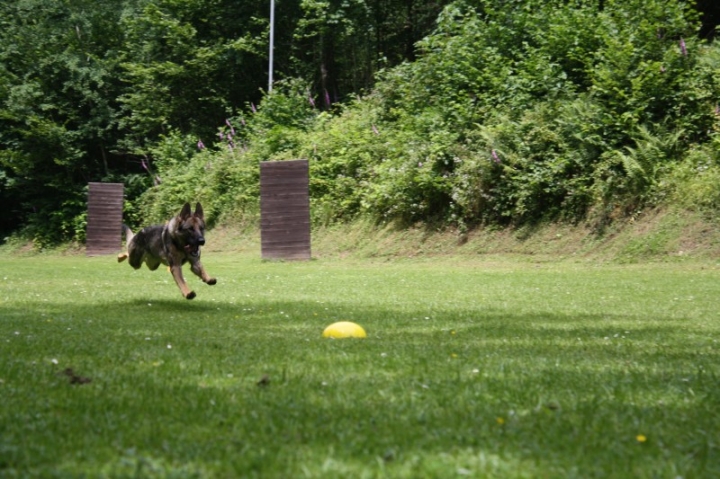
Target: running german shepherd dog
{"points": [[172, 244]]}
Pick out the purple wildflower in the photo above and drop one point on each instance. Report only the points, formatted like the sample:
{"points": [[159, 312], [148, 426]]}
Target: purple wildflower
{"points": [[242, 120], [156, 178], [232, 130], [662, 68], [220, 134], [375, 130], [252, 107], [495, 157], [200, 145], [311, 100], [327, 99], [683, 47]]}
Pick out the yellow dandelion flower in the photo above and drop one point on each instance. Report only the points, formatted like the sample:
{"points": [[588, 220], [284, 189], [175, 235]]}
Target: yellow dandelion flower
{"points": [[453, 355], [641, 438], [500, 421]]}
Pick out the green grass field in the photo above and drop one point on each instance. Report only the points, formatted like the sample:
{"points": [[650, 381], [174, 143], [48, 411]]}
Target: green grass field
{"points": [[490, 368]]}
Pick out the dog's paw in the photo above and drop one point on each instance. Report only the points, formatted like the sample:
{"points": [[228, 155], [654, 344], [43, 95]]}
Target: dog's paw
{"points": [[190, 295], [212, 281], [122, 257]]}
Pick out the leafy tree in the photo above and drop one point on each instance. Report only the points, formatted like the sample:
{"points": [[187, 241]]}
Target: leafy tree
{"points": [[187, 64], [340, 45], [57, 113]]}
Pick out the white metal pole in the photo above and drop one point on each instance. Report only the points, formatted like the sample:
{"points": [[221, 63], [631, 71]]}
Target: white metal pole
{"points": [[272, 41]]}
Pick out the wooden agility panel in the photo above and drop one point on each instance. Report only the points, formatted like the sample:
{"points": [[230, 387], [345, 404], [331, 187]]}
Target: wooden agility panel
{"points": [[104, 219], [285, 209]]}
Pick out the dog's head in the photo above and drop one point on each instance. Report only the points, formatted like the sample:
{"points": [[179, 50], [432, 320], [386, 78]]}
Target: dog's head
{"points": [[190, 229]]}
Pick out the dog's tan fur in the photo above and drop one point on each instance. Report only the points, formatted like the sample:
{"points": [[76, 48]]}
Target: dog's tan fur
{"points": [[173, 245]]}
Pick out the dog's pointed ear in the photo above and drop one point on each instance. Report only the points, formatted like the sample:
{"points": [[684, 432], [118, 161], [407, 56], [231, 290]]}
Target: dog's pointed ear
{"points": [[199, 211], [186, 212]]}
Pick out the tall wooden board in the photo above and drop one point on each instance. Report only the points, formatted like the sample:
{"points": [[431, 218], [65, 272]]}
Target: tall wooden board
{"points": [[104, 219], [285, 210]]}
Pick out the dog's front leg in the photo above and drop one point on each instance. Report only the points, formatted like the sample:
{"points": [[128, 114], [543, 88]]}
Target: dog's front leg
{"points": [[197, 268], [178, 276]]}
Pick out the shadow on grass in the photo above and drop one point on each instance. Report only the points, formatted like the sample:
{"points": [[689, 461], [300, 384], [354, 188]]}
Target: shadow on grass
{"points": [[179, 305], [483, 391]]}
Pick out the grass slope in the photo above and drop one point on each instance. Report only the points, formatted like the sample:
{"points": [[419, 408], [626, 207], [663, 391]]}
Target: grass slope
{"points": [[654, 235], [471, 368]]}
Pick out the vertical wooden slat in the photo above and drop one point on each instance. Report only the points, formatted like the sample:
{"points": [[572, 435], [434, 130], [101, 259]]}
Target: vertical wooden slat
{"points": [[104, 219], [285, 210]]}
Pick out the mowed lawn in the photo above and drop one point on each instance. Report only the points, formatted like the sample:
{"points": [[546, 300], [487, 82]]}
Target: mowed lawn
{"points": [[493, 367]]}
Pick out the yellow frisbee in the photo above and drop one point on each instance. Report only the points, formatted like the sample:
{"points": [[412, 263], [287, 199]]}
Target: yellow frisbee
{"points": [[344, 329]]}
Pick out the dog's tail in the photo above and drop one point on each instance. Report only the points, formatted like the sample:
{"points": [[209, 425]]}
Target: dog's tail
{"points": [[129, 235]]}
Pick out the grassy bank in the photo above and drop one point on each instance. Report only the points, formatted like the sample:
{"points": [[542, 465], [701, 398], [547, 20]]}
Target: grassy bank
{"points": [[665, 235], [482, 367]]}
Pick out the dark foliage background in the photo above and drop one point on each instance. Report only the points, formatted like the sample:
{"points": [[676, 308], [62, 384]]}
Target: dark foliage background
{"points": [[463, 112]]}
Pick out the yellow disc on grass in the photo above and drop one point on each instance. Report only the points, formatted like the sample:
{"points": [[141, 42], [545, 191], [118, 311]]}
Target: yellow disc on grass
{"points": [[344, 329]]}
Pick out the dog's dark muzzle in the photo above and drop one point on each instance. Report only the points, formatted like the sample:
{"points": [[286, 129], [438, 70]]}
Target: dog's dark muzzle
{"points": [[194, 249]]}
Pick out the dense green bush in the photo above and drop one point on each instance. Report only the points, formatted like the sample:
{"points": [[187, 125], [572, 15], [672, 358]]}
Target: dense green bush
{"points": [[694, 183], [224, 179], [90, 89], [223, 172], [515, 112]]}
